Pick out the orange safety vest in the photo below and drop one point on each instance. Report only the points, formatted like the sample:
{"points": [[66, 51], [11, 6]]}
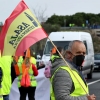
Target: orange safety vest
{"points": [[26, 62], [26, 77]]}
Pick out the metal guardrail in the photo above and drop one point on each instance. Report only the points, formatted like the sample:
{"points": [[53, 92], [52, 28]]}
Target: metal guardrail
{"points": [[79, 28]]}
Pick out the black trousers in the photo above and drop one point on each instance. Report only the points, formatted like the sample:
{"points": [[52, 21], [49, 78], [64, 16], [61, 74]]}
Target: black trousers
{"points": [[27, 90]]}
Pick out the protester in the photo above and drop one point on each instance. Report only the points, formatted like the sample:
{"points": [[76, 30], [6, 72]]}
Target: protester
{"points": [[65, 86], [53, 55], [28, 71], [13, 71], [1, 76], [5, 62]]}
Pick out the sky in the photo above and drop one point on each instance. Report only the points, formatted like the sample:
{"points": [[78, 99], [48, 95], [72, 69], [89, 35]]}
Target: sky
{"points": [[58, 7]]}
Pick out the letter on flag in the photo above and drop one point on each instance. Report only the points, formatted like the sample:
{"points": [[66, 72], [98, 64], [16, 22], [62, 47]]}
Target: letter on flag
{"points": [[20, 31]]}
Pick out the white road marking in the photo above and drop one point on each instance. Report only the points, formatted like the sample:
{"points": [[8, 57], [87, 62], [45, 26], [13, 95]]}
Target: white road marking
{"points": [[94, 82]]}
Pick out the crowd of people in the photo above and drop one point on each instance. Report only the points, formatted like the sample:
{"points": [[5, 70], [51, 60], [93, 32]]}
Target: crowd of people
{"points": [[25, 69], [63, 69]]}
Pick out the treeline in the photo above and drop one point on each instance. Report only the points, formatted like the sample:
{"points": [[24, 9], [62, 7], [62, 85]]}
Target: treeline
{"points": [[77, 19], [55, 22]]}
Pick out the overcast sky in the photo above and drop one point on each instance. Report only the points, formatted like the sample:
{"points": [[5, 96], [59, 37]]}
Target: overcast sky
{"points": [[59, 7]]}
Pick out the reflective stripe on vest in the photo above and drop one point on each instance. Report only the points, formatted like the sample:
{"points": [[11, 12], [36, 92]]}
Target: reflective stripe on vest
{"points": [[53, 57], [32, 78], [79, 91]]}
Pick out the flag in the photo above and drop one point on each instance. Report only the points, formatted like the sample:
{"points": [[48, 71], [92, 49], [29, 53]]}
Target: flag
{"points": [[20, 31]]}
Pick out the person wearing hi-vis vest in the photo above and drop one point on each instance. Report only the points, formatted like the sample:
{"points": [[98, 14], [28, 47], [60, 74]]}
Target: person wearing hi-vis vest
{"points": [[68, 83], [5, 63], [1, 75], [26, 72]]}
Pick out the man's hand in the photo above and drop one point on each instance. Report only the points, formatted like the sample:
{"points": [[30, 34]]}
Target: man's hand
{"points": [[91, 97]]}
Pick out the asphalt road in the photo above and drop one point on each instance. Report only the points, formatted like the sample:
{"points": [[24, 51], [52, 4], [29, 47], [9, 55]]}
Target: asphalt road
{"points": [[94, 85]]}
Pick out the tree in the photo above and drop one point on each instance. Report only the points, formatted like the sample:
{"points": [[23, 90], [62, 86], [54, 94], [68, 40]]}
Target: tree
{"points": [[96, 43], [50, 28], [78, 19], [1, 25], [40, 14]]}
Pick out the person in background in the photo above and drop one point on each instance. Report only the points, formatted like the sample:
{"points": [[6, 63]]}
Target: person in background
{"points": [[27, 61], [54, 55], [13, 71], [65, 86], [33, 53], [1, 76], [5, 62]]}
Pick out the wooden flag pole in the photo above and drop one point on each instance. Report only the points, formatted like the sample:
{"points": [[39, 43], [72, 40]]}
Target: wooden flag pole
{"points": [[68, 65]]}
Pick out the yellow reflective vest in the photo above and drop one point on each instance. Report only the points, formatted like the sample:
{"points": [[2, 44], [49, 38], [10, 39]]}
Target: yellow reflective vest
{"points": [[53, 57], [79, 91], [32, 78], [5, 63]]}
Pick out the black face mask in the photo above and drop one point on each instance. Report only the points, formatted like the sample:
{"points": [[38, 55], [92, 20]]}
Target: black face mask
{"points": [[78, 60]]}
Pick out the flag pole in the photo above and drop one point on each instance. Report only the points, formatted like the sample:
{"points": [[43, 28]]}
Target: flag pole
{"points": [[67, 65]]}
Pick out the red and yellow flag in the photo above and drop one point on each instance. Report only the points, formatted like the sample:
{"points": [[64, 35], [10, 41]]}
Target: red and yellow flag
{"points": [[20, 31]]}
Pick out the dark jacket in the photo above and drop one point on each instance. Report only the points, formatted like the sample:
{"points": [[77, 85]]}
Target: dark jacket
{"points": [[13, 73], [1, 75], [62, 83]]}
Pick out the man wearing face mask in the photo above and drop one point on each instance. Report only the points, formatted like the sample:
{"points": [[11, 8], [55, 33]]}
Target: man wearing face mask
{"points": [[64, 84]]}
